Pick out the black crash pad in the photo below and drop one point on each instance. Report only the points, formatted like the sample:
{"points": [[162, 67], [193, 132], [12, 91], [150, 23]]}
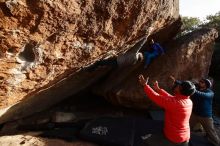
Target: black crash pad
{"points": [[120, 131], [125, 131]]}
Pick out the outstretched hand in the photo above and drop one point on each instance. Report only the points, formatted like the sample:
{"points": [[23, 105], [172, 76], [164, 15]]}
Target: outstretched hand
{"points": [[156, 86], [172, 78], [142, 80]]}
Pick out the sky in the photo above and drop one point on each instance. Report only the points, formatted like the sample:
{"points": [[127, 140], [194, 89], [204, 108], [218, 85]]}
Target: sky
{"points": [[199, 8]]}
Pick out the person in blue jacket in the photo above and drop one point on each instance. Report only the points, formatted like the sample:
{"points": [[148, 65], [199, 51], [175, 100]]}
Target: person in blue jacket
{"points": [[155, 51], [202, 110]]}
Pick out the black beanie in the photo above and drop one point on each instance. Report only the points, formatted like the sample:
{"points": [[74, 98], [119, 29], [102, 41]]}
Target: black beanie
{"points": [[188, 88], [207, 83]]}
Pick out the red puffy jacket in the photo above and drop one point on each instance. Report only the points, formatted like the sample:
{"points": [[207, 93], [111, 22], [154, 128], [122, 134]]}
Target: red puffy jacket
{"points": [[178, 109]]}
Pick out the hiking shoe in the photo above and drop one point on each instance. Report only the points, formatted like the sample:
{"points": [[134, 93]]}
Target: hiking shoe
{"points": [[213, 142]]}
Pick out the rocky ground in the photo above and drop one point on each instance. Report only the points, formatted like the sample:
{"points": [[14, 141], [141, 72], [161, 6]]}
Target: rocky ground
{"points": [[27, 140]]}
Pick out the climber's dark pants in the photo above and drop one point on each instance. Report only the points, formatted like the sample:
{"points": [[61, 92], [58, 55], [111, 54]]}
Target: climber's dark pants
{"points": [[149, 56]]}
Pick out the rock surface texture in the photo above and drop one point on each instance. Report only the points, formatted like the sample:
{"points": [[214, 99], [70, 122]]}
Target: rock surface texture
{"points": [[46, 44]]}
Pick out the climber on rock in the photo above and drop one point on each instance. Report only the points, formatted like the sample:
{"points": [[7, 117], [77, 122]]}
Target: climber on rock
{"points": [[131, 57], [154, 51], [121, 60]]}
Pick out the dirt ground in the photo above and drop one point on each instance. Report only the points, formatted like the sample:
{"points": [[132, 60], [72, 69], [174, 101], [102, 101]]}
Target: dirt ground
{"points": [[27, 140]]}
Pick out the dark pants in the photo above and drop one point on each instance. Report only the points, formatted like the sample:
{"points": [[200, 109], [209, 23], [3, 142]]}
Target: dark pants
{"points": [[149, 56], [207, 124], [161, 140]]}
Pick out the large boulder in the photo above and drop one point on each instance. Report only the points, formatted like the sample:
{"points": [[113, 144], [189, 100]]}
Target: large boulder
{"points": [[188, 57], [46, 44], [215, 67]]}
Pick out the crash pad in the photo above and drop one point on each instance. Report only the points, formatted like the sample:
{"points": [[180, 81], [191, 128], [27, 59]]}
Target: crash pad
{"points": [[120, 131]]}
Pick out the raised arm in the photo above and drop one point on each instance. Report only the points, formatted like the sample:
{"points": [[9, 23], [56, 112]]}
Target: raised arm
{"points": [[160, 91], [200, 94], [160, 100]]}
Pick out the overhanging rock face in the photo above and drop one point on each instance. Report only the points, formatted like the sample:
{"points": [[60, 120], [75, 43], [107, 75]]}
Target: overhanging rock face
{"points": [[46, 44], [188, 57]]}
